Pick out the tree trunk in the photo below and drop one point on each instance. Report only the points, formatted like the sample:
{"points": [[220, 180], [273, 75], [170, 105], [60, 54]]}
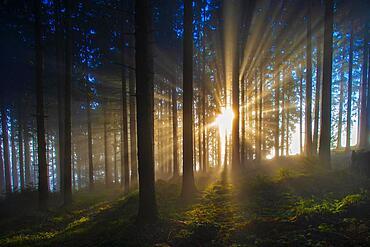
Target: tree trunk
{"points": [[260, 113], [256, 128], [67, 176], [20, 148], [308, 117], [317, 97], [301, 110], [1, 170], [349, 90], [89, 138], [236, 167], [204, 96], [125, 169], [115, 157], [283, 110], [27, 155], [340, 114], [363, 125], [277, 110], [188, 185], [243, 120], [59, 75], [174, 129], [145, 118], [14, 158], [287, 121], [107, 171], [4, 128], [41, 147], [368, 101], [325, 126], [133, 144]]}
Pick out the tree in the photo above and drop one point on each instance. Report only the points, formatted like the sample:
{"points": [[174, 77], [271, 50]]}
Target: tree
{"points": [[60, 88], [325, 128], [20, 147], [1, 169], [308, 120], [125, 172], [41, 146], [235, 99], [89, 137], [107, 170], [174, 129], [4, 128], [317, 96], [363, 126], [145, 118], [349, 89], [340, 114], [14, 156], [188, 184], [67, 178], [133, 96]]}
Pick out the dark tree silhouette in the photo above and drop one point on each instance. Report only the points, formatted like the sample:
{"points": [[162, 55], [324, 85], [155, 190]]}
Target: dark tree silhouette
{"points": [[145, 118], [125, 172], [4, 128], [41, 146], [325, 126], [67, 176], [188, 184], [308, 122], [349, 89]]}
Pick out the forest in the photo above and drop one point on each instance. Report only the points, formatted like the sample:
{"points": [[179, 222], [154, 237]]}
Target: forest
{"points": [[185, 123]]}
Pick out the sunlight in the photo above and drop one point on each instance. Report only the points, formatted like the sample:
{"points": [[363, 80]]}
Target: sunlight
{"points": [[224, 121]]}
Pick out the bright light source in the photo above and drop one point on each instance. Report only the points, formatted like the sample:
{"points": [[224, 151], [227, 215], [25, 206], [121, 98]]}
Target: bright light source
{"points": [[224, 121]]}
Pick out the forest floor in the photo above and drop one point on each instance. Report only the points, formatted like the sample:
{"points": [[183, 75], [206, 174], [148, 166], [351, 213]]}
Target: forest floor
{"points": [[292, 202]]}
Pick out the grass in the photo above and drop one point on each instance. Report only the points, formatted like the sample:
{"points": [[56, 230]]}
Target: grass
{"points": [[293, 205]]}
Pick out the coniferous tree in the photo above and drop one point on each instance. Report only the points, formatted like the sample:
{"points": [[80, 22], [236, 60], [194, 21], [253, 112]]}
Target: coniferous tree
{"points": [[349, 89], [145, 118], [41, 146], [67, 169], [325, 126], [188, 184], [308, 120]]}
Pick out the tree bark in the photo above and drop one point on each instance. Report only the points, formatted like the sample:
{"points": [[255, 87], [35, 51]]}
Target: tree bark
{"points": [[277, 110], [188, 184], [27, 155], [4, 128], [20, 147], [308, 119], [283, 112], [363, 125], [325, 126], [349, 90], [133, 143], [67, 176], [145, 107], [2, 181], [125, 169], [317, 97], [340, 114], [174, 129], [301, 110], [89, 138], [41, 146], [14, 157], [107, 170], [60, 94]]}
